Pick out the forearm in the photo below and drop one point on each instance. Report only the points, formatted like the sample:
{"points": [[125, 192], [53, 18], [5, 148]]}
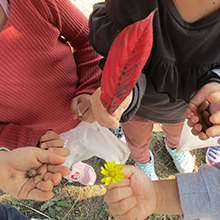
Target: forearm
{"points": [[168, 199]]}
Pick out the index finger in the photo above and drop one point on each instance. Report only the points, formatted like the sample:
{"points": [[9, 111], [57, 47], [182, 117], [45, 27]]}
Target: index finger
{"points": [[124, 182], [128, 171], [49, 135], [45, 156]]}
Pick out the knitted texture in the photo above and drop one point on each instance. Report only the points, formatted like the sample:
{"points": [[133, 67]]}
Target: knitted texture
{"points": [[39, 72]]}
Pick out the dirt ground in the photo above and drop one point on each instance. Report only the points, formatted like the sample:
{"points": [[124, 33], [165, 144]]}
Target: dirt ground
{"points": [[73, 201], [85, 6]]}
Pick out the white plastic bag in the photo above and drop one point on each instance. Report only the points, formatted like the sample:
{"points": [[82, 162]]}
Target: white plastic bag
{"points": [[188, 141], [87, 140]]}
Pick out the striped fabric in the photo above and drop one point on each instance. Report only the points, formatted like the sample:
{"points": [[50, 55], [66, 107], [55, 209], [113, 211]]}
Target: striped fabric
{"points": [[39, 74]]}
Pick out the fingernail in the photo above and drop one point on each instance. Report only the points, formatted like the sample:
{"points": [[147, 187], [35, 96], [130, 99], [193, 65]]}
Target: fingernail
{"points": [[43, 145], [187, 110], [194, 120], [51, 149]]}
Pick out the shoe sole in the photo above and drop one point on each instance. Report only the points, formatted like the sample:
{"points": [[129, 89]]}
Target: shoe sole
{"points": [[95, 176]]}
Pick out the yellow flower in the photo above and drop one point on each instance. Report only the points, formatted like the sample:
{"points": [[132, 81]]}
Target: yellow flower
{"points": [[113, 172]]}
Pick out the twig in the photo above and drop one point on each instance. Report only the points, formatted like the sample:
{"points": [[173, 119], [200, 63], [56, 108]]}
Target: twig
{"points": [[69, 210], [35, 210]]}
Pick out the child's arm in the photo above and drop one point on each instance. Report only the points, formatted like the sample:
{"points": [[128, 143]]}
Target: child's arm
{"points": [[193, 194], [15, 165], [210, 92], [137, 197]]}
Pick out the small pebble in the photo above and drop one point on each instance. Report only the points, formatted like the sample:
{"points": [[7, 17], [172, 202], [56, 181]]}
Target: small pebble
{"points": [[32, 173]]}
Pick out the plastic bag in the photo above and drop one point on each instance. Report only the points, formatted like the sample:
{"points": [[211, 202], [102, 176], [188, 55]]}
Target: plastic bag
{"points": [[188, 141], [87, 140]]}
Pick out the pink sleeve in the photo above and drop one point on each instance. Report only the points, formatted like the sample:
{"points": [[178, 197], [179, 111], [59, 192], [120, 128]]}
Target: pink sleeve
{"points": [[74, 27]]}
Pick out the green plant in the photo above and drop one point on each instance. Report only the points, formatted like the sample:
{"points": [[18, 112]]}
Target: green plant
{"points": [[14, 202], [109, 217], [80, 217], [156, 137], [202, 159], [54, 204]]}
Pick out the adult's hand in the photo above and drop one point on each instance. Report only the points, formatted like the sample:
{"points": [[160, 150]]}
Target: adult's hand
{"points": [[210, 92], [14, 168]]}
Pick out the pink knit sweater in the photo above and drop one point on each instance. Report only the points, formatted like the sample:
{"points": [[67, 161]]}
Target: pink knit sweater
{"points": [[39, 74]]}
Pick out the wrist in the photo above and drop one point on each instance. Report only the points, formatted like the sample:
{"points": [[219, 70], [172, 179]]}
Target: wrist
{"points": [[158, 193], [167, 197]]}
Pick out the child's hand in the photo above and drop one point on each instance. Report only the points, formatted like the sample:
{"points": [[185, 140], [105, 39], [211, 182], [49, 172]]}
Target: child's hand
{"points": [[210, 92], [81, 108], [102, 115], [14, 166], [132, 198], [52, 141]]}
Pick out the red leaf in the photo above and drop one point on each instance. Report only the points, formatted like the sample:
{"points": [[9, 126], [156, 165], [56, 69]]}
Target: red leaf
{"points": [[126, 59]]}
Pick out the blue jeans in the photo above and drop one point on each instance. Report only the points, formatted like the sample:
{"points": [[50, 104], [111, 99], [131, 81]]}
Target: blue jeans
{"points": [[8, 212]]}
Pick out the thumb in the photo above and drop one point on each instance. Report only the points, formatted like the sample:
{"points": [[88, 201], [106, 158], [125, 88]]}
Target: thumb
{"points": [[128, 171], [214, 97], [84, 105]]}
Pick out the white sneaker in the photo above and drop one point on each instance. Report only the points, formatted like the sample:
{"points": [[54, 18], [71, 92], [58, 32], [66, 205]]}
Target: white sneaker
{"points": [[184, 161], [148, 168]]}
